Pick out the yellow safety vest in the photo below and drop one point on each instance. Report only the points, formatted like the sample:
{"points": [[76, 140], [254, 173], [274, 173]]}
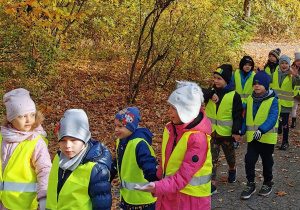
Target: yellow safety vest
{"points": [[131, 174], [74, 193], [18, 183], [285, 92], [248, 88], [262, 114], [200, 185], [297, 90], [221, 121], [268, 70]]}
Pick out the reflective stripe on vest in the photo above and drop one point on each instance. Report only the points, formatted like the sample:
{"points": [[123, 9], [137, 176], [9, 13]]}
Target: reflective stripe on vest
{"points": [[285, 92], [200, 185], [195, 181], [18, 187], [222, 119], [261, 116], [131, 174], [74, 193], [18, 183], [248, 89]]}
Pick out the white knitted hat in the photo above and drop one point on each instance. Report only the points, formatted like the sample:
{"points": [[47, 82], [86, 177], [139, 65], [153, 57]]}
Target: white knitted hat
{"points": [[187, 99]]}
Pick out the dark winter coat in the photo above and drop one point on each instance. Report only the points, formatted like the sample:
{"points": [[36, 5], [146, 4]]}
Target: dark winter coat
{"points": [[99, 186]]}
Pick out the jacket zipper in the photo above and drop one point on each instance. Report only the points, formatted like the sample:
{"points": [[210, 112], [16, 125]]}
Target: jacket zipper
{"points": [[63, 175]]}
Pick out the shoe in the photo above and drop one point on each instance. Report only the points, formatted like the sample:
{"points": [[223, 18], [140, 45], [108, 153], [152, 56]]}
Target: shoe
{"points": [[284, 145], [248, 191], [280, 126], [231, 176], [266, 189], [293, 122], [236, 145], [213, 188]]}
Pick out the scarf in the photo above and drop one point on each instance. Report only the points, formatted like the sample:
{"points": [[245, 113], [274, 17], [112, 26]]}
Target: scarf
{"points": [[258, 99], [9, 134], [71, 164]]}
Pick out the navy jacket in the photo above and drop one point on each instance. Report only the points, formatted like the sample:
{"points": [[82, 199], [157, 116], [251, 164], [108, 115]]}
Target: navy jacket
{"points": [[144, 158], [99, 186]]}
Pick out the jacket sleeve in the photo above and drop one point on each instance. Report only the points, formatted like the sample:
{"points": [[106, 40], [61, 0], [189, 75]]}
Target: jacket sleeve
{"points": [[146, 161], [42, 164], [99, 187], [113, 171], [207, 94], [244, 127], [237, 114], [272, 117], [192, 162]]}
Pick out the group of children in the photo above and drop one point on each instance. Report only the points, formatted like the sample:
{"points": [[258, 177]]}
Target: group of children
{"points": [[244, 103]]}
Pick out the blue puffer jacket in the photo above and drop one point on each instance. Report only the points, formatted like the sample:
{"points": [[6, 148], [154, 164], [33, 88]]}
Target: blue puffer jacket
{"points": [[99, 187], [144, 158]]}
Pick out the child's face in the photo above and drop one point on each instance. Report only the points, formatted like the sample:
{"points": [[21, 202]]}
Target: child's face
{"points": [[259, 89], [247, 67], [272, 58], [173, 114], [219, 81], [297, 63], [284, 66], [120, 130], [70, 146], [24, 122]]}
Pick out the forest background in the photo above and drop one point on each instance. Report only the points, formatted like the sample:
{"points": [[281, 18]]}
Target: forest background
{"points": [[104, 55]]}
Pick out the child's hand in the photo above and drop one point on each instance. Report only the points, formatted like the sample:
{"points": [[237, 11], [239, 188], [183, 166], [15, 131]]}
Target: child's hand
{"points": [[236, 137], [146, 188], [295, 71], [215, 98], [257, 135], [42, 204]]}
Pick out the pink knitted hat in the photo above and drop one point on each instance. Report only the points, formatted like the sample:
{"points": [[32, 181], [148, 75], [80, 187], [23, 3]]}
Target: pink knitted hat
{"points": [[18, 102]]}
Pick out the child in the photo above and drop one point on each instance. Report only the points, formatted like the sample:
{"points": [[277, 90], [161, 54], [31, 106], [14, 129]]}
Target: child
{"points": [[261, 122], [185, 163], [25, 161], [225, 113], [242, 80], [272, 64], [135, 160], [296, 65], [283, 82], [79, 177]]}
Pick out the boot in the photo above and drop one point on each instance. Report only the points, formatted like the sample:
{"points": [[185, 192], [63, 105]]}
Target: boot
{"points": [[284, 145], [293, 122]]}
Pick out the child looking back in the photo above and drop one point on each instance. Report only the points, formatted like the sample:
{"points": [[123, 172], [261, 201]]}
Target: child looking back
{"points": [[79, 177], [185, 163], [272, 64], [135, 160], [224, 110], [25, 161], [296, 65], [261, 124]]}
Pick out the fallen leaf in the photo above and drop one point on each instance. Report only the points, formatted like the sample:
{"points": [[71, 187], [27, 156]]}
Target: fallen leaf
{"points": [[230, 190], [289, 184], [220, 200], [284, 170], [281, 193]]}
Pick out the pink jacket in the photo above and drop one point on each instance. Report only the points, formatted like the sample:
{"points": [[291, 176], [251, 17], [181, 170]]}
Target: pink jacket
{"points": [[40, 162], [167, 190]]}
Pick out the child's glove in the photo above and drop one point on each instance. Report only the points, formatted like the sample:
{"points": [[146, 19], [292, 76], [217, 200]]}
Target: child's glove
{"points": [[257, 135], [42, 204]]}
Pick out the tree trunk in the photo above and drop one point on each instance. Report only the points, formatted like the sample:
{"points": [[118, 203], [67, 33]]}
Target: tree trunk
{"points": [[247, 8]]}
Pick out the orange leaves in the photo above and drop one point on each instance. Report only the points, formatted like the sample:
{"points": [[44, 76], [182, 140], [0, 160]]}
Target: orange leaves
{"points": [[281, 193]]}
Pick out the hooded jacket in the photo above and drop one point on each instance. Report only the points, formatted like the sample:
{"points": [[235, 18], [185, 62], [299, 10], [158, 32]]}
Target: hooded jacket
{"points": [[167, 190], [99, 186]]}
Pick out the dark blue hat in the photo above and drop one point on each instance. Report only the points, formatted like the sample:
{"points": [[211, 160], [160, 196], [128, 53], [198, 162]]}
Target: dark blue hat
{"points": [[129, 117], [262, 78]]}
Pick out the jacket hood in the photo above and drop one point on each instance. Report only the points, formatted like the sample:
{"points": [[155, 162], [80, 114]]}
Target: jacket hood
{"points": [[143, 133], [98, 153]]}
